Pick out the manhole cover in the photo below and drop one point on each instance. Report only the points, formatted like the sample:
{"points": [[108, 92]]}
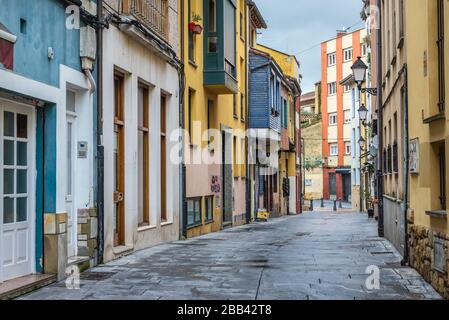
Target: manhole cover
{"points": [[381, 252], [96, 276]]}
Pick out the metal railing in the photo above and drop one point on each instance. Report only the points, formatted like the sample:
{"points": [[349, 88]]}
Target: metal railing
{"points": [[152, 14]]}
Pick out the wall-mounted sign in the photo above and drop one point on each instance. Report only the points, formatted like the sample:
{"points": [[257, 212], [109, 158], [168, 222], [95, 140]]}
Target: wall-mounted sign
{"points": [[215, 186], [414, 156]]}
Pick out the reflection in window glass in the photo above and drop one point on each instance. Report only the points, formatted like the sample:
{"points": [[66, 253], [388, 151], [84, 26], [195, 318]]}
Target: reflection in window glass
{"points": [[8, 124], [8, 210], [21, 210], [8, 157], [22, 121]]}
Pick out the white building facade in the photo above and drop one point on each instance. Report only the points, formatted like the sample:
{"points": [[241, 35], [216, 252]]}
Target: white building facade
{"points": [[140, 111]]}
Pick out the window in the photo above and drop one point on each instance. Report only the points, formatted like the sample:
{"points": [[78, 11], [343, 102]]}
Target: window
{"points": [[347, 88], [395, 158], [234, 105], [193, 212], [242, 27], [229, 37], [285, 114], [333, 149], [442, 175], [441, 66], [347, 53], [143, 156], [191, 36], [163, 159], [212, 22], [332, 88], [364, 49], [389, 159], [332, 119], [272, 93], [347, 147], [209, 209], [242, 107], [331, 59], [347, 116], [190, 114]]}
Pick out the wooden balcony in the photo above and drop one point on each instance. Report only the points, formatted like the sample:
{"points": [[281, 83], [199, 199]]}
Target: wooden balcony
{"points": [[153, 14]]}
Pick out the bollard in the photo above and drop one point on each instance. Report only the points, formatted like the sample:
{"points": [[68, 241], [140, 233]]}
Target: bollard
{"points": [[311, 205], [335, 205], [340, 205], [322, 202]]}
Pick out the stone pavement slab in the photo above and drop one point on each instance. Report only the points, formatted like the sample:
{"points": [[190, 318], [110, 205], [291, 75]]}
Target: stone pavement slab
{"points": [[318, 255]]}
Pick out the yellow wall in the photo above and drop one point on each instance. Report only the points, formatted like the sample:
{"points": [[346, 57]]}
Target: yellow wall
{"points": [[288, 63], [222, 116], [422, 97]]}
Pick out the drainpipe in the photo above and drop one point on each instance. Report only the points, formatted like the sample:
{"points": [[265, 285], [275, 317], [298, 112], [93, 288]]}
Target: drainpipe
{"points": [[247, 88], [405, 261], [100, 147], [183, 204], [380, 189]]}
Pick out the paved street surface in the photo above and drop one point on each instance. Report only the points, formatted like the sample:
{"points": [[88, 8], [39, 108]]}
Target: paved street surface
{"points": [[321, 255]]}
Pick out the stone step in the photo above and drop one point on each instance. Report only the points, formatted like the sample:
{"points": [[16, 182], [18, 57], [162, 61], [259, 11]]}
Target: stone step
{"points": [[20, 286]]}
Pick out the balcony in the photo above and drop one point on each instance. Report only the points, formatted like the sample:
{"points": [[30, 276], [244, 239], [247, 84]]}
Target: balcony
{"points": [[220, 46], [152, 14]]}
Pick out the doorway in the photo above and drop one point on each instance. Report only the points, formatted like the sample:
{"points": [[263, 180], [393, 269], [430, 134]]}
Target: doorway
{"points": [[17, 184], [71, 142], [119, 161]]}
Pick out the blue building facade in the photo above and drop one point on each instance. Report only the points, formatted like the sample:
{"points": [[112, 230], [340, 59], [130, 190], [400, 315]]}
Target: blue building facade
{"points": [[47, 129]]}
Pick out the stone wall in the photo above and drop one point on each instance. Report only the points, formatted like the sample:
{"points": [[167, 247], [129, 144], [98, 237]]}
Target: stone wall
{"points": [[422, 257], [88, 236]]}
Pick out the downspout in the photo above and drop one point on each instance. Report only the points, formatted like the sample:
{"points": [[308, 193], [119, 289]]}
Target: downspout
{"points": [[183, 203], [380, 188], [405, 261], [247, 88], [100, 147]]}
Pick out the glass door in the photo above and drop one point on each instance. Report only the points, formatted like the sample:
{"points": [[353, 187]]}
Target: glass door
{"points": [[16, 192]]}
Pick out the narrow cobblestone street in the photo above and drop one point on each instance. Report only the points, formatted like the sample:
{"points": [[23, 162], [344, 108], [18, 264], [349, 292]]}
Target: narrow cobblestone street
{"points": [[314, 256]]}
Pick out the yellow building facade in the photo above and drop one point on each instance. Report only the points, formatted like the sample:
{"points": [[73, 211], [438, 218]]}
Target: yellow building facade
{"points": [[215, 99], [428, 44]]}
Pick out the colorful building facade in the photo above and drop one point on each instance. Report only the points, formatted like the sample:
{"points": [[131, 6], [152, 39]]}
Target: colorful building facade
{"points": [[215, 114], [140, 93], [47, 141], [426, 95], [337, 58], [312, 145]]}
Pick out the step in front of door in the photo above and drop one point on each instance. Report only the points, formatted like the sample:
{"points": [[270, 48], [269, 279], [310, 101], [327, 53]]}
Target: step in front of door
{"points": [[17, 287]]}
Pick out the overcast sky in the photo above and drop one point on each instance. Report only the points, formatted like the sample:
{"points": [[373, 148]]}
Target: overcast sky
{"points": [[299, 26]]}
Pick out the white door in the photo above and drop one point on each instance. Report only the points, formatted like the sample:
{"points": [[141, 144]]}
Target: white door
{"points": [[69, 198], [17, 199]]}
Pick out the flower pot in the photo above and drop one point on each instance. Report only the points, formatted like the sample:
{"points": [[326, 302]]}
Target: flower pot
{"points": [[195, 28]]}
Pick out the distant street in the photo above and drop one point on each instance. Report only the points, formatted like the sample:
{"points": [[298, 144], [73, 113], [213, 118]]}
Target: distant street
{"points": [[320, 255]]}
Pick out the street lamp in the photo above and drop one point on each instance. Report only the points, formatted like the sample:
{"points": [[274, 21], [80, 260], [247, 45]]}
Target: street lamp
{"points": [[362, 143], [363, 113], [359, 71]]}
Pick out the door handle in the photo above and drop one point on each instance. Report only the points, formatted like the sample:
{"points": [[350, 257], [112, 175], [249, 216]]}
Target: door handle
{"points": [[118, 196]]}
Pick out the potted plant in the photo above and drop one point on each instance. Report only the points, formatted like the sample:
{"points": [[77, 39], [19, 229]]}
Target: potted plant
{"points": [[194, 26]]}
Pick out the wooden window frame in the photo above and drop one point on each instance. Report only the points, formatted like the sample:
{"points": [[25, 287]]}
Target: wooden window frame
{"points": [[145, 129], [163, 162]]}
